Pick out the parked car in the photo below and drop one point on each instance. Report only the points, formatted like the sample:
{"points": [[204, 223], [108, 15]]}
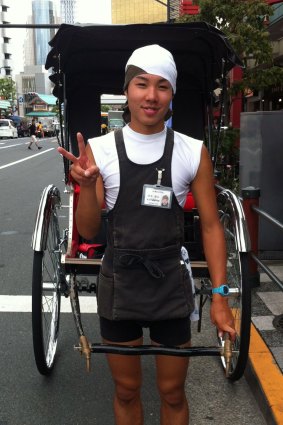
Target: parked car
{"points": [[23, 130], [21, 124], [49, 131], [8, 129]]}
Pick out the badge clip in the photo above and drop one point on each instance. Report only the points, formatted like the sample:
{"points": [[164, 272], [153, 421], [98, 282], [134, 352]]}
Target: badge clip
{"points": [[159, 176]]}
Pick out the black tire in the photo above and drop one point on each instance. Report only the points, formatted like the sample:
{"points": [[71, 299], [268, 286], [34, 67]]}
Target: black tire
{"points": [[46, 296], [240, 299]]}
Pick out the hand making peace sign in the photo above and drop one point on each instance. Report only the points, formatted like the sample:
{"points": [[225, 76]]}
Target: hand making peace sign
{"points": [[83, 169]]}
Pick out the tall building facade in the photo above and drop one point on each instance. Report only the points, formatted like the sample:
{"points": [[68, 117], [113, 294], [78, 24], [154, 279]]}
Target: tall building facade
{"points": [[35, 77], [43, 12], [137, 11], [144, 11], [68, 11], [5, 52]]}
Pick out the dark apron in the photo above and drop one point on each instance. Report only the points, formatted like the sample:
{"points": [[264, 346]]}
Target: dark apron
{"points": [[142, 277]]}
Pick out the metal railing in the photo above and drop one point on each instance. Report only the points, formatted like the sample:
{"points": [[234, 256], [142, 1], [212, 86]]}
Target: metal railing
{"points": [[250, 200]]}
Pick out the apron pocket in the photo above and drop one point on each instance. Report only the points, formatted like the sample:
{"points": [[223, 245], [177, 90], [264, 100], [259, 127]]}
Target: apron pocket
{"points": [[150, 285], [104, 293]]}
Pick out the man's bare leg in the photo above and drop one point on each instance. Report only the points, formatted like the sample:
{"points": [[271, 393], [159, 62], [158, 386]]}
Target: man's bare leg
{"points": [[127, 376], [171, 377]]}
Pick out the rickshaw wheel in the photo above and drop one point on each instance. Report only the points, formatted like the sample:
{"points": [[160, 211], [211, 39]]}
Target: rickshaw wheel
{"points": [[46, 295], [240, 299]]}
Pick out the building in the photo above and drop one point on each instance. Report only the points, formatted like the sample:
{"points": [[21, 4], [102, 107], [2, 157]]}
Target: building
{"points": [[5, 53], [35, 78], [40, 105], [144, 11], [68, 11], [43, 12]]}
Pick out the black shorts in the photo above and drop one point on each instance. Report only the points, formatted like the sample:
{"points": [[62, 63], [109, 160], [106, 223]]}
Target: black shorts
{"points": [[173, 332]]}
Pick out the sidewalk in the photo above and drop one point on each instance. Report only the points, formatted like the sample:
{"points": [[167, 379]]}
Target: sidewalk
{"points": [[265, 368]]}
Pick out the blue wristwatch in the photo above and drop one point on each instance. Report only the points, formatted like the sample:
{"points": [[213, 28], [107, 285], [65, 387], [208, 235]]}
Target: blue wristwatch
{"points": [[222, 290]]}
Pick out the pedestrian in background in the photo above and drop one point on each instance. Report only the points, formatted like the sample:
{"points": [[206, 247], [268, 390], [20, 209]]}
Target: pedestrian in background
{"points": [[39, 129], [33, 138]]}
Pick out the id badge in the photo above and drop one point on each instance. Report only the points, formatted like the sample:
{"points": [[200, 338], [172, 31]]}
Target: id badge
{"points": [[157, 196]]}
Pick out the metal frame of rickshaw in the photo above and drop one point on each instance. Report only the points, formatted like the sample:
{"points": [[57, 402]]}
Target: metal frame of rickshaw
{"points": [[57, 261]]}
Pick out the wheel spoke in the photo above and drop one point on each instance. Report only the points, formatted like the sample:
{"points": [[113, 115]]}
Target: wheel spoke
{"points": [[46, 293], [239, 298]]}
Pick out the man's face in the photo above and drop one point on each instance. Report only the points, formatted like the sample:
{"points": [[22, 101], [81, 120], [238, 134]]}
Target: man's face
{"points": [[149, 98]]}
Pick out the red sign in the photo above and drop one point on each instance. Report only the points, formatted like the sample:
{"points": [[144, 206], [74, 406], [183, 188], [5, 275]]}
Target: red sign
{"points": [[271, 2], [187, 8]]}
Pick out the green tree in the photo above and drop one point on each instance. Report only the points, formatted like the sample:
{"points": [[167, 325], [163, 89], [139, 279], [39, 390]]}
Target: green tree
{"points": [[244, 24], [105, 108], [7, 89], [56, 110]]}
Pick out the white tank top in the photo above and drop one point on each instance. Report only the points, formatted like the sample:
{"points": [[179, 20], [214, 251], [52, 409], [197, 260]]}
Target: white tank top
{"points": [[145, 149]]}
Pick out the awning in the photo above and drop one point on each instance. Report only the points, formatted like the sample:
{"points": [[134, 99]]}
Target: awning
{"points": [[41, 114], [5, 104]]}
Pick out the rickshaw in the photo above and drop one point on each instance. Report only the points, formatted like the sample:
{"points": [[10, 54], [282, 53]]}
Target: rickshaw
{"points": [[88, 61]]}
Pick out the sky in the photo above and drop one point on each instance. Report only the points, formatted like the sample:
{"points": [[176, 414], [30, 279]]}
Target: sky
{"points": [[88, 11]]}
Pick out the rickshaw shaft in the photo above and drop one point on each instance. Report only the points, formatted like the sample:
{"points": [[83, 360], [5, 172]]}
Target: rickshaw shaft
{"points": [[153, 350]]}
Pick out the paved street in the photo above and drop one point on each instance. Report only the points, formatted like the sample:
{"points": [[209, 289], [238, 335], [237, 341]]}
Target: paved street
{"points": [[71, 395]]}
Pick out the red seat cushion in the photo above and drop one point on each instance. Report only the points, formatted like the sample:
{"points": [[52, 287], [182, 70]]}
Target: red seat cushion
{"points": [[190, 202]]}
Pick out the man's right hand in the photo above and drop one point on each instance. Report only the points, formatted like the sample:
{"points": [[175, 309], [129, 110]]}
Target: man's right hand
{"points": [[83, 170]]}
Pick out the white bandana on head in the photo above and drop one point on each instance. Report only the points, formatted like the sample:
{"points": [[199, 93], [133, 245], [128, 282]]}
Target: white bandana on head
{"points": [[155, 60]]}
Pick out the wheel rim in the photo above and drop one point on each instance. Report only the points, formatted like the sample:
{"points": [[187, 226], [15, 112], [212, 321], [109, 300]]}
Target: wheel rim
{"points": [[234, 280], [50, 300]]}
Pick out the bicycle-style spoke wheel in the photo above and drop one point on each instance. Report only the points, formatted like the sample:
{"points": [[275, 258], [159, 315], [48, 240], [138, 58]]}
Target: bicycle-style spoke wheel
{"points": [[46, 294], [238, 281]]}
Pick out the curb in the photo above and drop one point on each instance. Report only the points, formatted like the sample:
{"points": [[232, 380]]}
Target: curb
{"points": [[265, 379]]}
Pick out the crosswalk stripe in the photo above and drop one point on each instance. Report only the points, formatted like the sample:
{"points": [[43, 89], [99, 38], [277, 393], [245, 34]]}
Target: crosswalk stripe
{"points": [[22, 304]]}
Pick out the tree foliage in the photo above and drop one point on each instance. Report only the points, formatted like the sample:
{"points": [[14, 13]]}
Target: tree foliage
{"points": [[244, 24], [105, 108], [7, 88]]}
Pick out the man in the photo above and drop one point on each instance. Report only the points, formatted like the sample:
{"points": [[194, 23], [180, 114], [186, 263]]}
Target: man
{"points": [[39, 129], [32, 132], [131, 170]]}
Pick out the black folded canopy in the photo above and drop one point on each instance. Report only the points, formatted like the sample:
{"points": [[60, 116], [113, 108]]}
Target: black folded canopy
{"points": [[89, 60]]}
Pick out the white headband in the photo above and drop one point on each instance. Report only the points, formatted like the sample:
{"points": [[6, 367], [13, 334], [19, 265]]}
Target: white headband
{"points": [[155, 60]]}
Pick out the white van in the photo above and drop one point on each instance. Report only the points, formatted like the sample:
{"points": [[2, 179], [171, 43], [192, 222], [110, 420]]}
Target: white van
{"points": [[8, 129]]}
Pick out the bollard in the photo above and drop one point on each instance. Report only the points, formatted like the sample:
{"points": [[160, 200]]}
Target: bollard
{"points": [[250, 197]]}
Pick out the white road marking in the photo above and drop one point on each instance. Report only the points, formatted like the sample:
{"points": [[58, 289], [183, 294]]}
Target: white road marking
{"points": [[22, 304], [25, 159], [10, 146]]}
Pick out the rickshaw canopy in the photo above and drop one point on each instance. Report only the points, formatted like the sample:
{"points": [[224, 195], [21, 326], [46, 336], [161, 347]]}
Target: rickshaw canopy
{"points": [[89, 60]]}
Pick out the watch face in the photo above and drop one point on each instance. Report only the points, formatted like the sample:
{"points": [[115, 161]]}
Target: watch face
{"points": [[225, 290]]}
